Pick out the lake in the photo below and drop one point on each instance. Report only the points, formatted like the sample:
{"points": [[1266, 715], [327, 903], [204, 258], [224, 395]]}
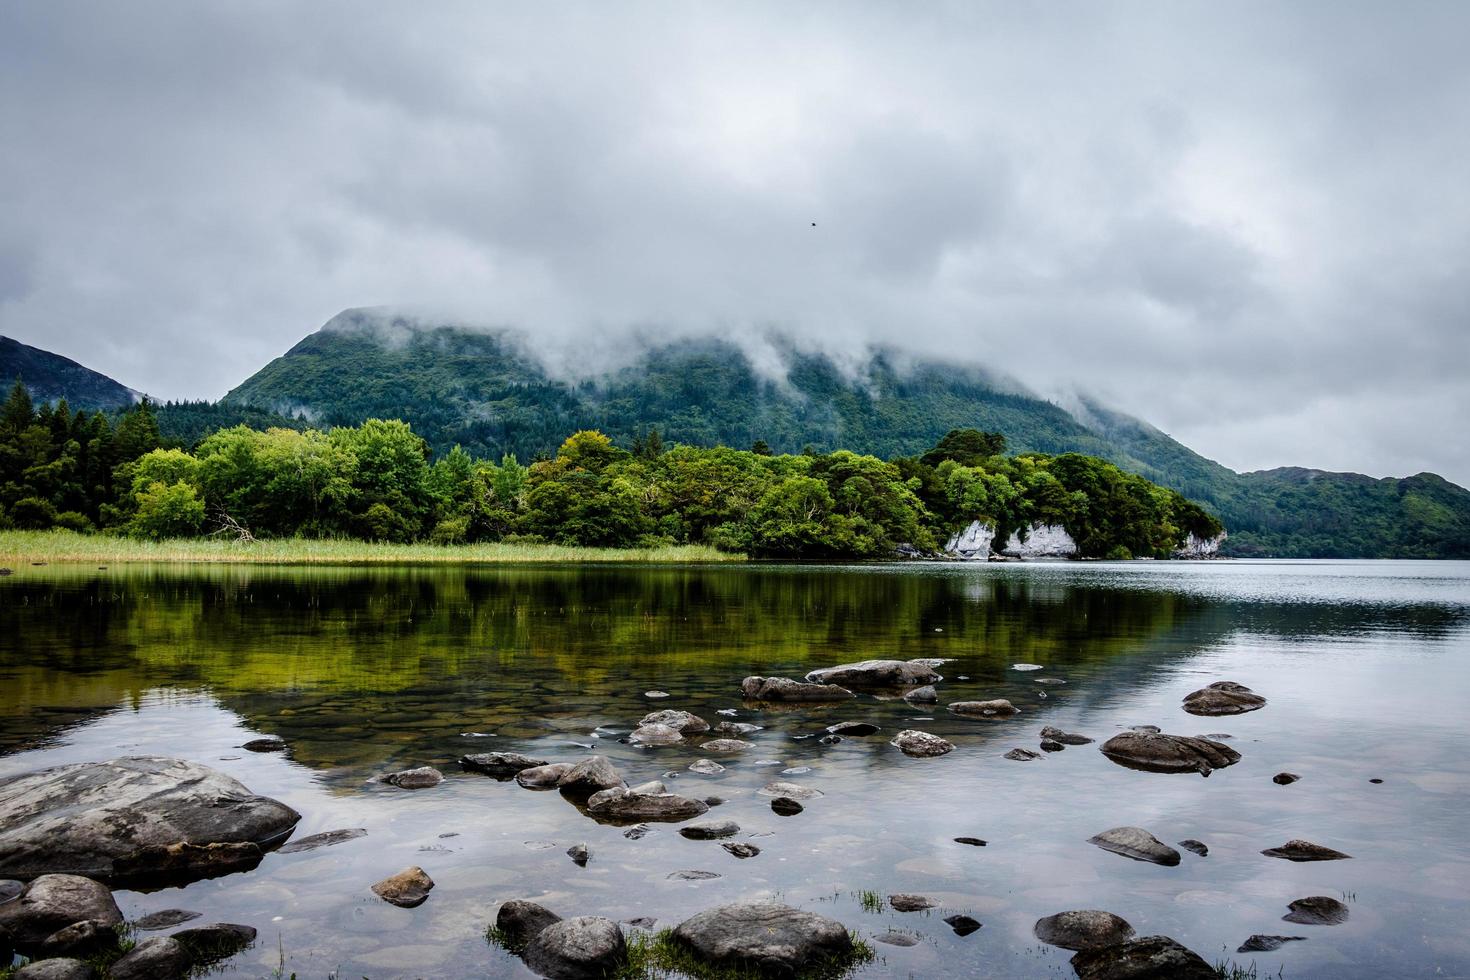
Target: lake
{"points": [[364, 671]]}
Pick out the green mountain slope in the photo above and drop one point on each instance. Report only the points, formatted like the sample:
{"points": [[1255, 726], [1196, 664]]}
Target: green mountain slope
{"points": [[50, 377], [487, 393]]}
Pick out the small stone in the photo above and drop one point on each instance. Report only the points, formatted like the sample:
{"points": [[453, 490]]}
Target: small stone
{"points": [[1285, 778], [642, 922], [1022, 755], [710, 830], [786, 689], [580, 854], [1304, 850], [655, 694], [995, 708], [921, 745], [796, 771], [1066, 738], [1223, 698], [794, 791], [691, 875], [724, 745], [741, 850], [713, 801], [736, 728], [1266, 944], [830, 739], [1146, 729], [1047, 745], [638, 831], [972, 841], [785, 806], [1138, 844], [1196, 846], [1318, 910], [166, 919], [407, 889], [681, 721], [269, 743], [423, 777], [895, 938], [922, 695], [321, 840], [962, 925], [706, 767], [905, 902], [656, 735]]}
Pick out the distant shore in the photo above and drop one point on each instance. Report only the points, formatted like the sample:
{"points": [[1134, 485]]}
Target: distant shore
{"points": [[18, 548]]}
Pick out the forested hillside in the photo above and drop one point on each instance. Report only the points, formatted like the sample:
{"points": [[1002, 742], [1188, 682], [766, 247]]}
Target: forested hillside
{"points": [[50, 377]]}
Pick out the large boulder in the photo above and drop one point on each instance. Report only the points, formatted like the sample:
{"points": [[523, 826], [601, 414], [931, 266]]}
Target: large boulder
{"points": [[1083, 929], [786, 689], [519, 921], [1223, 698], [214, 942], [53, 902], [1149, 958], [1157, 752], [877, 673], [681, 721], [500, 765], [766, 936], [589, 776], [548, 776], [649, 801], [588, 947], [81, 940], [159, 958], [89, 818], [1138, 844]]}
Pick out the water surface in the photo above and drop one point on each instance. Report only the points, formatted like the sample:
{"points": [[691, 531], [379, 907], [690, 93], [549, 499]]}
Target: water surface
{"points": [[369, 670]]}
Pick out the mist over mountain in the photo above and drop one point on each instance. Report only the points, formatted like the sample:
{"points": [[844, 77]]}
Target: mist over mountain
{"points": [[492, 392]]}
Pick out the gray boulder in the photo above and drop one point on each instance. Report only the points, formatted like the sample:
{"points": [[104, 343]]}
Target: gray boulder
{"points": [[80, 940], [1318, 910], [680, 721], [1066, 738], [1305, 850], [214, 942], [53, 902], [1157, 752], [656, 735], [86, 818], [589, 776], [159, 958], [921, 745], [1083, 929], [790, 791], [1149, 958], [1023, 755], [877, 673], [501, 765], [706, 767], [519, 921], [548, 776], [922, 695], [786, 689], [1223, 698], [710, 830], [64, 968], [994, 708], [741, 849], [1138, 844], [424, 777], [646, 802], [724, 745], [905, 902], [766, 936], [588, 947]]}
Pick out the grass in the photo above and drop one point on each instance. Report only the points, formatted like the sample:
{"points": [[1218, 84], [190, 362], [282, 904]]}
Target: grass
{"points": [[870, 900], [19, 548], [657, 956], [1231, 970]]}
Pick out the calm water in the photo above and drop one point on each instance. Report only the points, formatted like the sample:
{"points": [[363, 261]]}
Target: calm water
{"points": [[365, 671]]}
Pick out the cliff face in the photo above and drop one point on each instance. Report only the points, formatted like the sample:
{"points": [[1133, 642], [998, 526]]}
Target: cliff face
{"points": [[974, 543]]}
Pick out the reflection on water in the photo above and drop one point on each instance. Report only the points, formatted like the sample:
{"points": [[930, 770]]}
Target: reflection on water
{"points": [[364, 671]]}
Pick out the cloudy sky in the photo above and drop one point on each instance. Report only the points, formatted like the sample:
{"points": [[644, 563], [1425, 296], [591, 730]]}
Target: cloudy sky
{"points": [[1248, 223]]}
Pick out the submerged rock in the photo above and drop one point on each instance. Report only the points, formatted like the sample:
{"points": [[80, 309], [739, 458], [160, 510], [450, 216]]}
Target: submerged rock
{"points": [[53, 902], [1223, 698], [1156, 752], [877, 673], [501, 765], [1305, 850], [1266, 944], [962, 925], [1022, 755], [680, 721], [690, 875], [1318, 910], [1082, 929], [724, 745], [1066, 738], [741, 850], [424, 777], [548, 776], [706, 767], [656, 735], [894, 937], [791, 791], [1149, 958], [922, 695], [905, 902], [710, 830], [87, 817], [736, 728], [407, 889], [994, 708], [590, 776], [766, 936], [1138, 844], [166, 919], [321, 840], [1198, 847], [519, 921], [588, 947], [785, 689], [921, 745]]}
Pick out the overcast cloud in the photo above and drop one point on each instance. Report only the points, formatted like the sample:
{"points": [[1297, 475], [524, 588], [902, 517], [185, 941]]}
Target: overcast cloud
{"points": [[1247, 223]]}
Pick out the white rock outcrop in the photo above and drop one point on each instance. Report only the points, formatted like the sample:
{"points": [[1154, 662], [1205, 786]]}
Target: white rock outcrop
{"points": [[1194, 547], [973, 543], [1042, 541]]}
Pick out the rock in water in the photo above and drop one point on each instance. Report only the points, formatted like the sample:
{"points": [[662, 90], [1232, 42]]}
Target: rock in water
{"points": [[877, 673], [407, 889], [57, 969], [268, 743], [519, 921], [785, 806], [792, 791], [1266, 944], [643, 803], [543, 777], [86, 817], [962, 925], [1083, 929], [710, 830], [321, 840], [1285, 778], [1149, 958], [995, 708], [212, 943], [1022, 755], [590, 776], [424, 777], [786, 689], [501, 765], [1223, 698], [53, 902], [1138, 844], [766, 936], [1156, 752], [1318, 910], [972, 841], [656, 735], [724, 745], [159, 958], [854, 729], [588, 947], [736, 728], [706, 767], [1305, 850], [741, 850], [904, 902], [680, 721], [80, 940], [895, 938], [922, 695], [166, 919], [1066, 738], [580, 854], [1198, 847], [921, 745]]}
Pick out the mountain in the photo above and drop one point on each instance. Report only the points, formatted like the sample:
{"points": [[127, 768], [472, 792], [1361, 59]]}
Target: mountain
{"points": [[488, 393], [50, 377]]}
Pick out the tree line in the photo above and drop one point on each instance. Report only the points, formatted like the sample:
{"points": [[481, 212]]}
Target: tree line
{"points": [[378, 481]]}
